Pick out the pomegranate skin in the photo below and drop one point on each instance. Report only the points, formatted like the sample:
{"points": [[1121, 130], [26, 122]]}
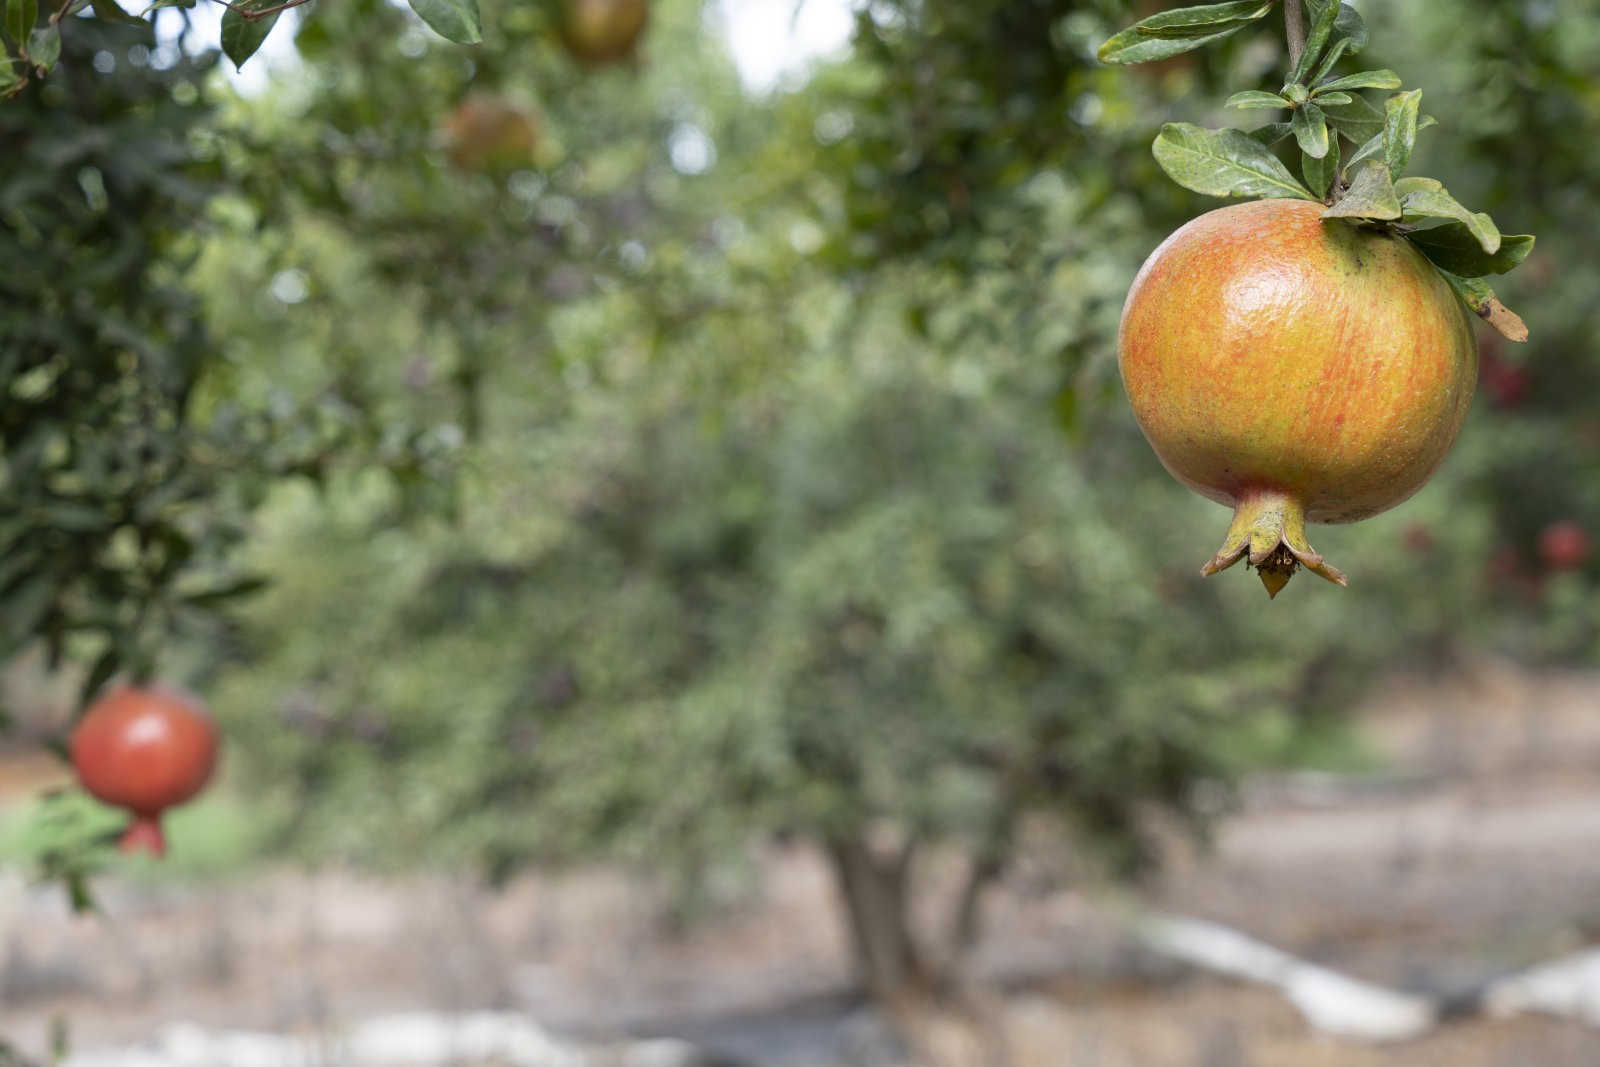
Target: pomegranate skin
{"points": [[1294, 368], [145, 750]]}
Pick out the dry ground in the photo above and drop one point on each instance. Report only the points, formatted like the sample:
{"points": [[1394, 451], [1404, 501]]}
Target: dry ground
{"points": [[1480, 855]]}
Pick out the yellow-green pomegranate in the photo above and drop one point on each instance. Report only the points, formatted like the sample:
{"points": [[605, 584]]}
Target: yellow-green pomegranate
{"points": [[1295, 369], [604, 31]]}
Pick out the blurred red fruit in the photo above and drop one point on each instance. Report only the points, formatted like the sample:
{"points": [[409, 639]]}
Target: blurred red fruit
{"points": [[1505, 382], [1564, 545], [145, 750], [1418, 537]]}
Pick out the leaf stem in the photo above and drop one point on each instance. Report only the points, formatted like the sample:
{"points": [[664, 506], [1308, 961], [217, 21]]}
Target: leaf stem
{"points": [[1294, 26]]}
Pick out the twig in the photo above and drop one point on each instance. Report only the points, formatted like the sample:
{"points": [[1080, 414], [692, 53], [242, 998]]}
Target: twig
{"points": [[1294, 25]]}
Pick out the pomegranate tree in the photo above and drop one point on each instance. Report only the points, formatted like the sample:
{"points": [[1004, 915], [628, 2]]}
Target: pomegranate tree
{"points": [[1308, 356], [146, 750]]}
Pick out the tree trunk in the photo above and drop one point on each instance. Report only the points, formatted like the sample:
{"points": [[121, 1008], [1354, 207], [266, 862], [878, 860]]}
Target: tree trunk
{"points": [[874, 889]]}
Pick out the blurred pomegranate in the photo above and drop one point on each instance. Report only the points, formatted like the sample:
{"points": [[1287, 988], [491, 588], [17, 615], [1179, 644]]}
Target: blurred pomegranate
{"points": [[1564, 545], [604, 31], [1418, 538], [146, 750], [487, 132], [1504, 381], [1295, 369]]}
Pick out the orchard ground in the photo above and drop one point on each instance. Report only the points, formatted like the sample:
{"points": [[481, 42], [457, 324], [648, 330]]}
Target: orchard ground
{"points": [[1464, 853]]}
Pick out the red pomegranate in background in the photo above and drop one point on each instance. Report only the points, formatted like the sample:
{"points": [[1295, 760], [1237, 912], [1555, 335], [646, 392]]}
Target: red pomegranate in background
{"points": [[1564, 545], [146, 750], [1295, 369]]}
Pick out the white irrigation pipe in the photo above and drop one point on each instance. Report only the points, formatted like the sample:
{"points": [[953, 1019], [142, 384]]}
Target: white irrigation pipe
{"points": [[1349, 1008]]}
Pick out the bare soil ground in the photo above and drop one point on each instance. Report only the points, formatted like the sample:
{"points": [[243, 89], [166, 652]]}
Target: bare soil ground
{"points": [[1478, 855]]}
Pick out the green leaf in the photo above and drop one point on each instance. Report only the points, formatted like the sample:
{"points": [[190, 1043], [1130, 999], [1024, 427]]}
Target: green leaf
{"points": [[1320, 171], [1271, 133], [1424, 203], [1128, 47], [44, 47], [1203, 15], [1256, 98], [238, 587], [1481, 301], [20, 18], [76, 517], [1366, 79], [1223, 163], [111, 11], [1370, 196], [1311, 130], [454, 20], [1400, 129], [1351, 27], [1456, 249], [1316, 42], [9, 78], [1330, 99], [1330, 61], [105, 665], [241, 36], [1170, 33], [24, 608], [1406, 186], [1372, 149], [1357, 120]]}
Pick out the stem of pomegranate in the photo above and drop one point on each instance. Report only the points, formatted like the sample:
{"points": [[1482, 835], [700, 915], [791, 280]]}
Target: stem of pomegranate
{"points": [[1294, 26], [143, 835]]}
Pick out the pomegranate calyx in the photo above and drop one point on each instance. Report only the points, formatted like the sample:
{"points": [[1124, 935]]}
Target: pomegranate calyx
{"points": [[1269, 533], [143, 835]]}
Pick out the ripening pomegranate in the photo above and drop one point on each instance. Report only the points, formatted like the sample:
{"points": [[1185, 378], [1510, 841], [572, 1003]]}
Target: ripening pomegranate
{"points": [[604, 31], [1564, 545], [487, 132], [1294, 369], [147, 750]]}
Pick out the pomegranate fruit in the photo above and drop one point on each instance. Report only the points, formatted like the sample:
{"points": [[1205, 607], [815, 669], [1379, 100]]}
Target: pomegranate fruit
{"points": [[1564, 545], [489, 133], [604, 31], [146, 750], [1295, 369]]}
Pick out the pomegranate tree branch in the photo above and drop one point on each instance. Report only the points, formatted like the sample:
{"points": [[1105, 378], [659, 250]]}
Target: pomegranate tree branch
{"points": [[1294, 25]]}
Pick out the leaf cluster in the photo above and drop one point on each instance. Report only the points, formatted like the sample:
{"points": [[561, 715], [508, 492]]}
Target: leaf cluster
{"points": [[29, 45], [1352, 154]]}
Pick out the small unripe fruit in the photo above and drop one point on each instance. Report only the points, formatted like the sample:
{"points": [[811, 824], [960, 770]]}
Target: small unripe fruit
{"points": [[146, 750], [604, 31], [1295, 369], [1564, 545]]}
